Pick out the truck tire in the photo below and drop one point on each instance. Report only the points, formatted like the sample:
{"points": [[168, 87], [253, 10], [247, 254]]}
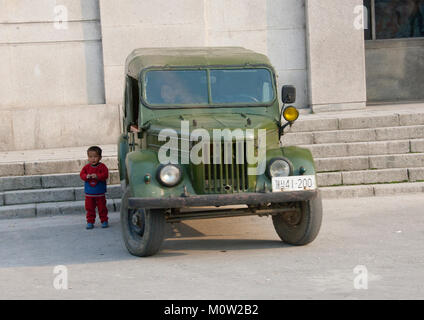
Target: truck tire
{"points": [[143, 230], [302, 228]]}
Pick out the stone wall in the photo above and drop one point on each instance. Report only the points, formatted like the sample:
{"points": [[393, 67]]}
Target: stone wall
{"points": [[51, 71], [46, 62], [62, 61], [336, 59], [26, 128], [272, 27]]}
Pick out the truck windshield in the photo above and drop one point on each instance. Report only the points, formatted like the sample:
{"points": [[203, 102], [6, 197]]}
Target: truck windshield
{"points": [[191, 87]]}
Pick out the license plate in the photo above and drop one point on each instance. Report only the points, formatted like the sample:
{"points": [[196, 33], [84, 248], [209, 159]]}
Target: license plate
{"points": [[296, 183]]}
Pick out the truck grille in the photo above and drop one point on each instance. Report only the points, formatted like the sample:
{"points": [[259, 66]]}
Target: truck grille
{"points": [[222, 177]]}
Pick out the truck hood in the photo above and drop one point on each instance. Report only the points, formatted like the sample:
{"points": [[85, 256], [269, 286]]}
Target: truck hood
{"points": [[213, 121]]}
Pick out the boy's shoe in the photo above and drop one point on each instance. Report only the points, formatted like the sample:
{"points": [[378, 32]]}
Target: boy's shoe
{"points": [[89, 226], [105, 224]]}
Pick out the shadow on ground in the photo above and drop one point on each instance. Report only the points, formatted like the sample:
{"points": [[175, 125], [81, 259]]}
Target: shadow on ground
{"points": [[221, 244], [64, 241]]}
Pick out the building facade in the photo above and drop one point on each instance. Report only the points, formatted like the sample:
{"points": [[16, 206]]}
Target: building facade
{"points": [[62, 61]]}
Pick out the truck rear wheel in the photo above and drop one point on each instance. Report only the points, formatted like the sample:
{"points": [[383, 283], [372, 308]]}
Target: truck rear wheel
{"points": [[302, 227], [143, 230]]}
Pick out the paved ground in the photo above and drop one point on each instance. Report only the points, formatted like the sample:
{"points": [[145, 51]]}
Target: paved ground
{"points": [[239, 258]]}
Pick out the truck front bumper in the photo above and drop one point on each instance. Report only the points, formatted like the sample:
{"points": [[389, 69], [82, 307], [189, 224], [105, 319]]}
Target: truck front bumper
{"points": [[217, 200]]}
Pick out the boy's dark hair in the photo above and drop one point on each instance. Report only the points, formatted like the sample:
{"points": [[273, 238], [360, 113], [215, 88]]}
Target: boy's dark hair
{"points": [[96, 149]]}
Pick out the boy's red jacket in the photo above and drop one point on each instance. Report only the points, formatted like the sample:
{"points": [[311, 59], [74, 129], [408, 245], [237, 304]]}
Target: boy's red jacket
{"points": [[95, 186]]}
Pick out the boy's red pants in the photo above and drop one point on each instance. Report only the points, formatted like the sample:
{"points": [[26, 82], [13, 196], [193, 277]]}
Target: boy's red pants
{"points": [[90, 206]]}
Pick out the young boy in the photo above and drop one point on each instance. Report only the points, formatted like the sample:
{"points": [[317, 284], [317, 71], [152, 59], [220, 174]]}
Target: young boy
{"points": [[95, 175]]}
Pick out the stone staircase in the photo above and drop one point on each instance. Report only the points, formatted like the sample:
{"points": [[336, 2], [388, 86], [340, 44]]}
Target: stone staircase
{"points": [[375, 152], [46, 182]]}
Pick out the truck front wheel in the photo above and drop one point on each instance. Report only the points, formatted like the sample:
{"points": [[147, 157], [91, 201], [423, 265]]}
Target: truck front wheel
{"points": [[143, 230], [301, 227]]}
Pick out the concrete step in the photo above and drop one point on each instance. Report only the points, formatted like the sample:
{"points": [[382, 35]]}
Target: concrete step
{"points": [[355, 135], [358, 120], [51, 161], [50, 167], [371, 190], [370, 177], [323, 122], [51, 209], [34, 196], [409, 160], [365, 148], [66, 180], [67, 153]]}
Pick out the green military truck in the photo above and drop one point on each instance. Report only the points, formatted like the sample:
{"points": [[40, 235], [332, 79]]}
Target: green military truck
{"points": [[201, 139]]}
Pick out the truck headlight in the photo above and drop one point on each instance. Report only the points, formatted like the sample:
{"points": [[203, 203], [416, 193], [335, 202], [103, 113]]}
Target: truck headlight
{"points": [[169, 175], [279, 167]]}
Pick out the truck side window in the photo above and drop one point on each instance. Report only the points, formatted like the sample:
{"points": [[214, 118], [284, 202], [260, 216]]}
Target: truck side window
{"points": [[135, 101]]}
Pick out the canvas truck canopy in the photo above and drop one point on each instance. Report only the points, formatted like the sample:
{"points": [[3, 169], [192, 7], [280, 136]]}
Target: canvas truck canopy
{"points": [[144, 58]]}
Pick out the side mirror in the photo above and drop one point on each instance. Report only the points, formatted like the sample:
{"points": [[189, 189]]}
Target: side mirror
{"points": [[288, 94]]}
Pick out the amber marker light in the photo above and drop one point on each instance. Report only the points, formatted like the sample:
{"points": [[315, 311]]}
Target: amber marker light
{"points": [[147, 178], [291, 114]]}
